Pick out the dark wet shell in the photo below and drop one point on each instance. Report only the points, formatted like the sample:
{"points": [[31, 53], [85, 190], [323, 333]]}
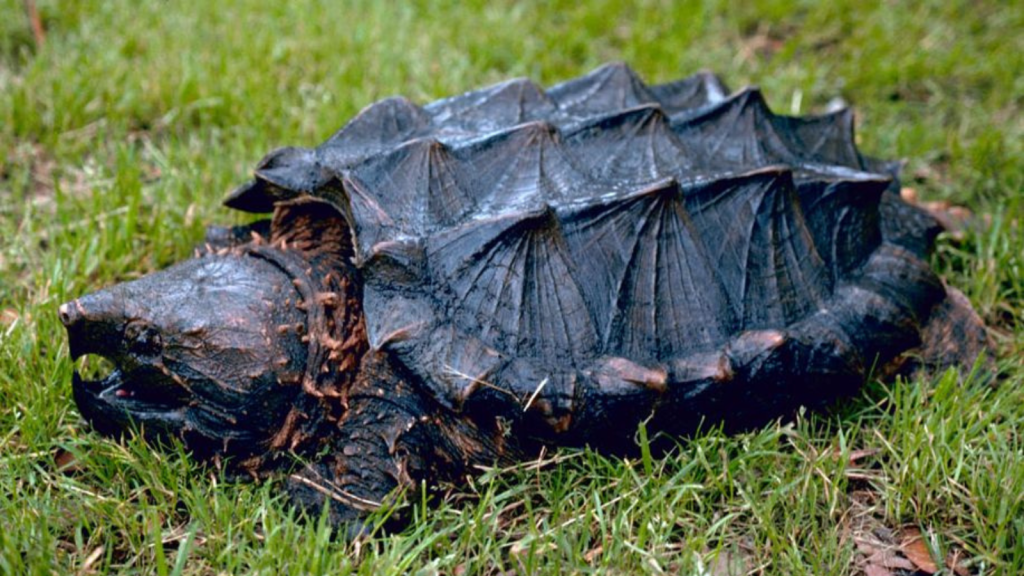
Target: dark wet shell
{"points": [[607, 247]]}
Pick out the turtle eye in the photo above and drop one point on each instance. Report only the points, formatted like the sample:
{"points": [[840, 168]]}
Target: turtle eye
{"points": [[143, 339]]}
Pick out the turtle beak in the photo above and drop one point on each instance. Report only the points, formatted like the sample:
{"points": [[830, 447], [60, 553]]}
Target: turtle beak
{"points": [[94, 323], [193, 351], [135, 390]]}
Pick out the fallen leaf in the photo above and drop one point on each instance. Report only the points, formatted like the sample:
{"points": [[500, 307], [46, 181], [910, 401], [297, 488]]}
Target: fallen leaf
{"points": [[913, 546], [890, 559], [876, 570], [865, 546], [66, 462]]}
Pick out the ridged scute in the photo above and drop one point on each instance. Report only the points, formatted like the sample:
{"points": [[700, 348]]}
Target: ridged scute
{"points": [[536, 249]]}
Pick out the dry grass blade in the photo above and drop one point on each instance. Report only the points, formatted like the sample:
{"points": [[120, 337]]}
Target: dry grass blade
{"points": [[533, 396], [91, 559], [38, 32]]}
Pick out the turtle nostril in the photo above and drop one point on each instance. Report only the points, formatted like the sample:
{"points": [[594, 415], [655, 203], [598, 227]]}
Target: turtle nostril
{"points": [[66, 314], [95, 322]]}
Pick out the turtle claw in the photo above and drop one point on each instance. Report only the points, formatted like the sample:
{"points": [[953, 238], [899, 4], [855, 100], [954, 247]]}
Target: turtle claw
{"points": [[311, 490]]}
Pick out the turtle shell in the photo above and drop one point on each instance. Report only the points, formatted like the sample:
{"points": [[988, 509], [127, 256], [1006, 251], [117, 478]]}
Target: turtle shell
{"points": [[575, 260]]}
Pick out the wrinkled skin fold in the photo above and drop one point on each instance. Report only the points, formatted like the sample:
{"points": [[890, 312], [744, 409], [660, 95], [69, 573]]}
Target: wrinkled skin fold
{"points": [[461, 284]]}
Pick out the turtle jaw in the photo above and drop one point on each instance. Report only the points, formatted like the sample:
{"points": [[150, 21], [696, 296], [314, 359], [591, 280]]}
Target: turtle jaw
{"points": [[112, 404], [210, 351], [242, 350], [138, 390]]}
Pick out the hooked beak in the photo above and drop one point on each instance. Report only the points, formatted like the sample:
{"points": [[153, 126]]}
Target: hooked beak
{"points": [[92, 323], [131, 392]]}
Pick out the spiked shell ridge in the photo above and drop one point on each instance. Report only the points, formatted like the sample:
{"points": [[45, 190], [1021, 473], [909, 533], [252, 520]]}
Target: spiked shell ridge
{"points": [[606, 246]]}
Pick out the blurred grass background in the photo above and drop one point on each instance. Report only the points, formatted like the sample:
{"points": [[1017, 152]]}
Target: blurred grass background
{"points": [[120, 133]]}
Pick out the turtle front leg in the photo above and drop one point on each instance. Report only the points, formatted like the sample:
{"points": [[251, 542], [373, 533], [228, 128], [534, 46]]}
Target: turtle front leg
{"points": [[391, 438]]}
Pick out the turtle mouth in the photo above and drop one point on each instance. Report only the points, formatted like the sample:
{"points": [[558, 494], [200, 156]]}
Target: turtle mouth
{"points": [[144, 389], [144, 395]]}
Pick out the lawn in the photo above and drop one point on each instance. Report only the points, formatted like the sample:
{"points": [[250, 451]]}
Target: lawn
{"points": [[122, 131]]}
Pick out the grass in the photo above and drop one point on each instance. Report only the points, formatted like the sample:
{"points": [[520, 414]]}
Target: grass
{"points": [[120, 134]]}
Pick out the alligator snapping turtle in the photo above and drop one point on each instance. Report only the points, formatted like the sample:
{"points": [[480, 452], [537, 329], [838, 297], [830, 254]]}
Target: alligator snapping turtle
{"points": [[465, 282]]}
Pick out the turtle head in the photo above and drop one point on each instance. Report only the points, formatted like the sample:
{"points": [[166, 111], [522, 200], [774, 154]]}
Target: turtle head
{"points": [[220, 350], [196, 350]]}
